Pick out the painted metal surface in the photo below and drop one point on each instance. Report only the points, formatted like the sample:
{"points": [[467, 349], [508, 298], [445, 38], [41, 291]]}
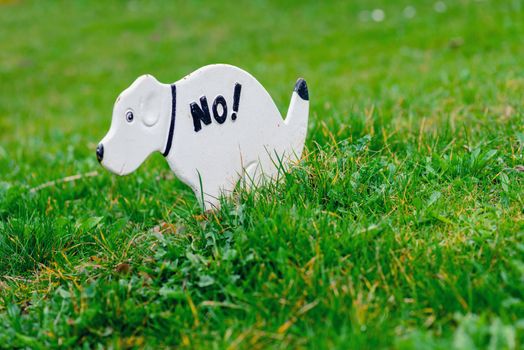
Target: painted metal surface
{"points": [[214, 126]]}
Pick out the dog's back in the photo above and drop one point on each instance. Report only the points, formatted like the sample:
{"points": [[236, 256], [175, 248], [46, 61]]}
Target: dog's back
{"points": [[226, 122]]}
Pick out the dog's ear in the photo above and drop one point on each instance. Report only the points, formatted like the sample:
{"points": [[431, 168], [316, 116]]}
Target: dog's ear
{"points": [[150, 105]]}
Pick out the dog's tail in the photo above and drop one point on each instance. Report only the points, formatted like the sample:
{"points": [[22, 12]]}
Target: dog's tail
{"points": [[297, 117]]}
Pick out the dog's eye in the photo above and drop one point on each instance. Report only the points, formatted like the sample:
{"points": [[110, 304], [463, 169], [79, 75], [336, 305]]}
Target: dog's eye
{"points": [[129, 116]]}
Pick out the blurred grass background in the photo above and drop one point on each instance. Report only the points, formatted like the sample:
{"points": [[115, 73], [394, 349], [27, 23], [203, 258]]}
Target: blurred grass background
{"points": [[415, 145]]}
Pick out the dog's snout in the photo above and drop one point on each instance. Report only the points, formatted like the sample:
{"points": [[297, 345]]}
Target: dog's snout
{"points": [[100, 152]]}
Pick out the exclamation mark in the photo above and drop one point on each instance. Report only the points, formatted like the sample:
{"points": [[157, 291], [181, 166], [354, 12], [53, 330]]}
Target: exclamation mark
{"points": [[236, 100]]}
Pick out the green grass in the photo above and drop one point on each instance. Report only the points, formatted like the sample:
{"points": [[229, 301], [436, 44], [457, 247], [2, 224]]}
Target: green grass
{"points": [[402, 227]]}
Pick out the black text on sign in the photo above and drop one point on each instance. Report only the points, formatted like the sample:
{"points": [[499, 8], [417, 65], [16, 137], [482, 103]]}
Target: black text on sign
{"points": [[201, 114]]}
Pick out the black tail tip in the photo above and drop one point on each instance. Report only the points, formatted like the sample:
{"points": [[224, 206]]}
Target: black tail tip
{"points": [[301, 89]]}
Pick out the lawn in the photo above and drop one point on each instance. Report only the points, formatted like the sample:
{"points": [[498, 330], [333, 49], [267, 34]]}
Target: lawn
{"points": [[401, 227]]}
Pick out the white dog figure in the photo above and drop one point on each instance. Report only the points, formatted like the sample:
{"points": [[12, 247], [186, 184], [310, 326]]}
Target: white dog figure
{"points": [[214, 127]]}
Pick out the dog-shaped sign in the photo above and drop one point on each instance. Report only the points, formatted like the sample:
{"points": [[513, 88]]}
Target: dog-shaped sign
{"points": [[214, 127]]}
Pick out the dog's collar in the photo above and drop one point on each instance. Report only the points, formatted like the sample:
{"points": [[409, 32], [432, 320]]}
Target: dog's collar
{"points": [[172, 124]]}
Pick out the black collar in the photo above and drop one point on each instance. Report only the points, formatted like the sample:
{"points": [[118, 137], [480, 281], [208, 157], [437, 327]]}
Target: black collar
{"points": [[172, 125]]}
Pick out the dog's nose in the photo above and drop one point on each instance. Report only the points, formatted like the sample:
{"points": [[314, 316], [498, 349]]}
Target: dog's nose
{"points": [[100, 152]]}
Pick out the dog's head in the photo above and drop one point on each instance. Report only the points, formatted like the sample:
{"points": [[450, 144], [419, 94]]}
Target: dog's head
{"points": [[139, 126]]}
